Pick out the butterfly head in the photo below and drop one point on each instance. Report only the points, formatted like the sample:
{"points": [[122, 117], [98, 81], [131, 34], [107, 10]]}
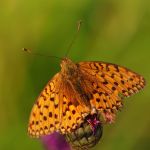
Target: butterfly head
{"points": [[67, 66]]}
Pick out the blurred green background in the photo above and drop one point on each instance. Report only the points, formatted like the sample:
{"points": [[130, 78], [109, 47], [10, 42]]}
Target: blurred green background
{"points": [[113, 31]]}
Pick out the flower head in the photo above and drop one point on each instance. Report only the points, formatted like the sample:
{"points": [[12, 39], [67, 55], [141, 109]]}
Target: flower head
{"points": [[55, 141], [87, 134]]}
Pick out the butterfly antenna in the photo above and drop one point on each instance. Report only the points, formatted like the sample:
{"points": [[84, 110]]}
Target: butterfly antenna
{"points": [[38, 54], [74, 38]]}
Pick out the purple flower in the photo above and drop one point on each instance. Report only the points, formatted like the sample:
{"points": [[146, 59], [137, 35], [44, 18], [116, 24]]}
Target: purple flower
{"points": [[88, 134], [55, 141], [93, 122]]}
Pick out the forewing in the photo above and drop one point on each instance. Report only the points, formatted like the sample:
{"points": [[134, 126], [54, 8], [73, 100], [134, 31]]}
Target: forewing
{"points": [[110, 84], [56, 109]]}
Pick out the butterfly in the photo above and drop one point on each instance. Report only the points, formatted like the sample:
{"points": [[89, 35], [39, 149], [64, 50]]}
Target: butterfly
{"points": [[78, 90]]}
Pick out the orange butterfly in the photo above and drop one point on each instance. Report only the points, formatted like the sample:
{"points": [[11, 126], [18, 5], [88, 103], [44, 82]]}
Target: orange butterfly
{"points": [[79, 90]]}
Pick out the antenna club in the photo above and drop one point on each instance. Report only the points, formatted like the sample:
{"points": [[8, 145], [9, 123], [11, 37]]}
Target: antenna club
{"points": [[26, 50], [79, 24]]}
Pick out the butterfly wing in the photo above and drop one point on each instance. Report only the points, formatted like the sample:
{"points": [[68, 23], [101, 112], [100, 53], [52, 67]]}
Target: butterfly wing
{"points": [[56, 109], [43, 115], [111, 83]]}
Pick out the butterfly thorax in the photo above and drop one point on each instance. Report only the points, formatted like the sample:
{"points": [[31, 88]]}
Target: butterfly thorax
{"points": [[68, 69], [71, 75]]}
